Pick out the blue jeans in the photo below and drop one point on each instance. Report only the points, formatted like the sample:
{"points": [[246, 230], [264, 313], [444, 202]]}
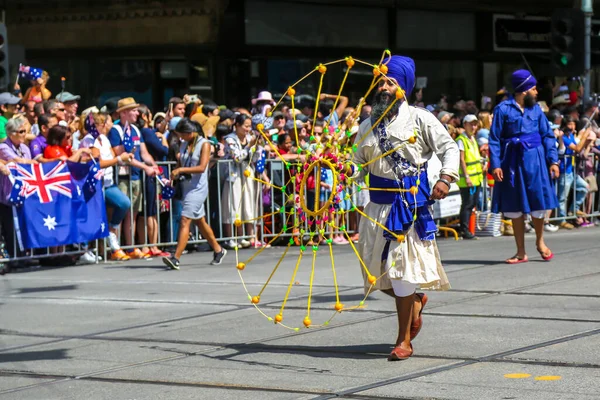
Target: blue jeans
{"points": [[120, 204], [565, 182]]}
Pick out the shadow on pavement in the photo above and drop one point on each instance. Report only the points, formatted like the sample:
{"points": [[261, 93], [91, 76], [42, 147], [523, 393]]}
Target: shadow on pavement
{"points": [[365, 351], [47, 289], [58, 354], [471, 262]]}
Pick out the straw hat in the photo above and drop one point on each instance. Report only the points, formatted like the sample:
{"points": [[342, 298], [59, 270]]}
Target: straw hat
{"points": [[126, 104]]}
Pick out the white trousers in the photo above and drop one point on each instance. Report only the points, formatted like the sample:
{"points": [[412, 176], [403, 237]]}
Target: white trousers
{"points": [[534, 214], [403, 288]]}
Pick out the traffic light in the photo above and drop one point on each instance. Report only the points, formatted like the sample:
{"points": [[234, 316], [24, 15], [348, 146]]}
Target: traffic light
{"points": [[567, 41]]}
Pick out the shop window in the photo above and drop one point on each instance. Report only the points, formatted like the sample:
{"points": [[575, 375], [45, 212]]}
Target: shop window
{"points": [[307, 25], [435, 30], [453, 78]]}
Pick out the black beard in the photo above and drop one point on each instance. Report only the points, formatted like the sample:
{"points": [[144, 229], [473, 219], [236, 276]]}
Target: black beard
{"points": [[529, 101], [381, 101]]}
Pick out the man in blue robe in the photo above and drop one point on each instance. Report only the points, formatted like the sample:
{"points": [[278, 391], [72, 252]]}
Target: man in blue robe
{"points": [[523, 161]]}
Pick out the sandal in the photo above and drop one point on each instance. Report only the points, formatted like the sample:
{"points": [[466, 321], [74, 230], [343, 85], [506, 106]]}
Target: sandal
{"points": [[137, 254], [159, 253], [546, 257], [399, 353], [119, 255], [517, 260]]}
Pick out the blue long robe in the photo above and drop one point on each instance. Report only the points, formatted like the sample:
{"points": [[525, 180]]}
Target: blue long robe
{"points": [[524, 146]]}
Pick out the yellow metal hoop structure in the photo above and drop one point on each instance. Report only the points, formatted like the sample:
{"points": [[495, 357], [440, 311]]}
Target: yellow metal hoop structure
{"points": [[316, 212]]}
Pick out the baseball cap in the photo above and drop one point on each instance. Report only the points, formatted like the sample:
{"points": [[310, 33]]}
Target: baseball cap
{"points": [[277, 114], [289, 125], [442, 114], [110, 105], [432, 107], [226, 114], [65, 97], [469, 118], [8, 98], [173, 123], [301, 117]]}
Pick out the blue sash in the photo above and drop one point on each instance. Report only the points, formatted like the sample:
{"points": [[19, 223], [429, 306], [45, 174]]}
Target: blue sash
{"points": [[513, 152], [400, 217]]}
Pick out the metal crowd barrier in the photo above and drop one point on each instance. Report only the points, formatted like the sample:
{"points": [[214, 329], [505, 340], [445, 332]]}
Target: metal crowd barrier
{"points": [[268, 223], [270, 219], [590, 207]]}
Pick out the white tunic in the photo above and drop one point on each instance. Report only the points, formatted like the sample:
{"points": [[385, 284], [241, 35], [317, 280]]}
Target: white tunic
{"points": [[413, 260]]}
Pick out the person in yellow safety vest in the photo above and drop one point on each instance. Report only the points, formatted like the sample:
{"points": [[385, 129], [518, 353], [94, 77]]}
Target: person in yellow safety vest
{"points": [[471, 173]]}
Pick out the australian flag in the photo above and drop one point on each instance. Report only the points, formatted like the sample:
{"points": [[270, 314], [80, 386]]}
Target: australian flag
{"points": [[89, 209], [51, 207], [29, 73], [127, 139]]}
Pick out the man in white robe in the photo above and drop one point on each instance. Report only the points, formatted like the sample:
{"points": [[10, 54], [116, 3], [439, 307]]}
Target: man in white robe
{"points": [[404, 256]]}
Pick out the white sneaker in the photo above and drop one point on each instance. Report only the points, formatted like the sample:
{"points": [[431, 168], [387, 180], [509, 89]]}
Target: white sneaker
{"points": [[87, 258], [113, 242], [230, 244], [548, 227], [244, 244]]}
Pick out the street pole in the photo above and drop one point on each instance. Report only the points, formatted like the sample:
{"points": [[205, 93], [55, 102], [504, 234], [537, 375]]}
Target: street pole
{"points": [[587, 8]]}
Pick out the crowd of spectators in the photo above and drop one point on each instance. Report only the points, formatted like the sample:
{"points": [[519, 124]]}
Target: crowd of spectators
{"points": [[215, 155]]}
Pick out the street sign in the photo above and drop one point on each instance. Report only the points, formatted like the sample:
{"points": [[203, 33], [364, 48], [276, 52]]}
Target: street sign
{"points": [[527, 34]]}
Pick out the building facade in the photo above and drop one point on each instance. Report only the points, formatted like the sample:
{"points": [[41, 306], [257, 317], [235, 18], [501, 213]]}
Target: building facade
{"points": [[229, 50]]}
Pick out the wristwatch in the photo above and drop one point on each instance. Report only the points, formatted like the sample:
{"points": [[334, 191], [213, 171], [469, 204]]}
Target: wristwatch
{"points": [[445, 181]]}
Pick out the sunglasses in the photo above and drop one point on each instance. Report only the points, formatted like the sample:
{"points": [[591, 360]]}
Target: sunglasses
{"points": [[22, 131], [60, 109]]}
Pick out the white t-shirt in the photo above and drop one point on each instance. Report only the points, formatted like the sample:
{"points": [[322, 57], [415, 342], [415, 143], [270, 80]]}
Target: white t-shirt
{"points": [[103, 144]]}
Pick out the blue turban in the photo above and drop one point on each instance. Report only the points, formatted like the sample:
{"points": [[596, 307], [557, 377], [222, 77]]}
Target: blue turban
{"points": [[402, 69], [522, 80]]}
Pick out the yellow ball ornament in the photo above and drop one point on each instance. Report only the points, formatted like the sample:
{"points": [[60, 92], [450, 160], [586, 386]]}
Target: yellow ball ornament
{"points": [[255, 300], [376, 71], [400, 93], [260, 127], [241, 266], [307, 322], [278, 318], [400, 238], [372, 279], [383, 69], [339, 307], [322, 69], [237, 222], [349, 62], [412, 140], [413, 190], [247, 173], [291, 91]]}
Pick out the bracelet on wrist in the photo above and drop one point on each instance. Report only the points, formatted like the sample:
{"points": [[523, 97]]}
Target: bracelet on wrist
{"points": [[445, 181]]}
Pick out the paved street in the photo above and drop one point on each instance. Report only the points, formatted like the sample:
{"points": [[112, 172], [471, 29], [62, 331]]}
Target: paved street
{"points": [[137, 331]]}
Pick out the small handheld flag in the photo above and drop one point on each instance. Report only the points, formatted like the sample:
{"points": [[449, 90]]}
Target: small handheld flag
{"points": [[30, 73]]}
